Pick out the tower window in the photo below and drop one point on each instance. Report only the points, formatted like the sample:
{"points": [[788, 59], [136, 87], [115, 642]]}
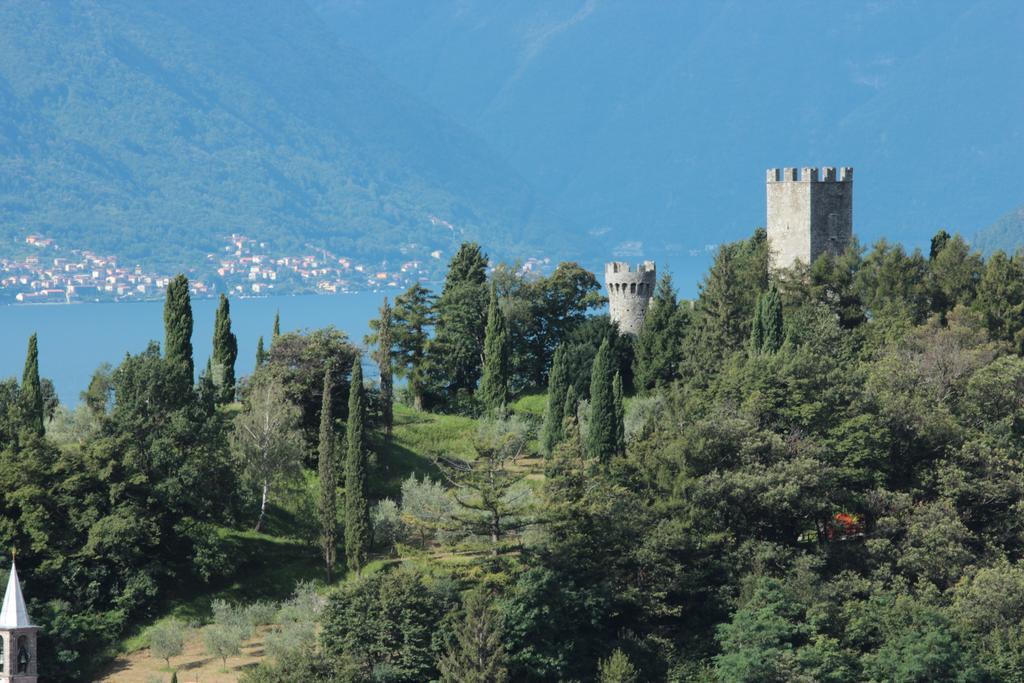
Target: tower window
{"points": [[23, 656]]}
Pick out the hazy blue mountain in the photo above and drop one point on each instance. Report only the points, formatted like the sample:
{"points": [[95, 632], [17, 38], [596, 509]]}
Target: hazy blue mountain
{"points": [[654, 121], [154, 129], [573, 128], [1007, 234]]}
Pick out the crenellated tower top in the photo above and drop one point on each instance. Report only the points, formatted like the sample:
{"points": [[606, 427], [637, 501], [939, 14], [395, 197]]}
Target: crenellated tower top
{"points": [[629, 293], [810, 213]]}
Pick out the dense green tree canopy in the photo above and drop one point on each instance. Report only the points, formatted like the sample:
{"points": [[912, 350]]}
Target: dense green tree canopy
{"points": [[178, 326], [827, 484]]}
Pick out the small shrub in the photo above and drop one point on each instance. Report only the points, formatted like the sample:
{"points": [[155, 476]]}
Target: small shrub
{"points": [[232, 617], [167, 639], [290, 637], [426, 506], [222, 641], [644, 414], [261, 613], [304, 606], [617, 669], [209, 560], [388, 528]]}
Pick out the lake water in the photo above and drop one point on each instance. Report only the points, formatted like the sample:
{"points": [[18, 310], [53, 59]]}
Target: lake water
{"points": [[75, 339]]}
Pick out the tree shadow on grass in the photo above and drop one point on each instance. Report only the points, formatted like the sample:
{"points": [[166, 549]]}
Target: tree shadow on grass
{"points": [[394, 465]]}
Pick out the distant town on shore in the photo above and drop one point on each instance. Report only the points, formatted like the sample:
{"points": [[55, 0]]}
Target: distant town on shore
{"points": [[52, 274]]}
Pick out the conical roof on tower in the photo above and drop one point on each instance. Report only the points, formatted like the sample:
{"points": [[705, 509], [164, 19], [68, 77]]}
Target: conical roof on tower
{"points": [[14, 614]]}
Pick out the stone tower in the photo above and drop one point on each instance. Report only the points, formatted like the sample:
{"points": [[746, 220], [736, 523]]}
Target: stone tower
{"points": [[17, 636], [808, 215], [629, 293]]}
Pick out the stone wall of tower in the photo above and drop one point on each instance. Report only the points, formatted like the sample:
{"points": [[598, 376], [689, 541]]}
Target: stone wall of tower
{"points": [[10, 673], [629, 293], [809, 213]]}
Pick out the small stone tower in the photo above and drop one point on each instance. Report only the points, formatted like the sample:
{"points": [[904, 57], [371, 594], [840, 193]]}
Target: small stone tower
{"points": [[17, 636], [629, 293], [808, 215]]}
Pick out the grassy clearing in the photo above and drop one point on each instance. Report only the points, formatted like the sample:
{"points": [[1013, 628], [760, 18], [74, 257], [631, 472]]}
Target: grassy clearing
{"points": [[418, 438], [533, 404], [267, 568]]}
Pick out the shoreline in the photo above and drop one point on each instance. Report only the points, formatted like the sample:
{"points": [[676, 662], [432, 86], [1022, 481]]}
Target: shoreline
{"points": [[244, 297]]}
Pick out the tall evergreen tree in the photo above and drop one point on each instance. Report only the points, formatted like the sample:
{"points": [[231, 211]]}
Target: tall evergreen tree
{"points": [[771, 320], [277, 327], [657, 352], [721, 314], [412, 318], [570, 409], [602, 435], [32, 390], [766, 330], [478, 654], [455, 353], [757, 328], [620, 414], [891, 280], [225, 352], [383, 338], [178, 326], [939, 241], [328, 507], [493, 391], [1000, 298], [558, 385], [357, 508], [261, 354], [953, 275]]}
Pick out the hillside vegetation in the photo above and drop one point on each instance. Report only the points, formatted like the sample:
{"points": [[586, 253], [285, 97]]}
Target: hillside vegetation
{"points": [[814, 474]]}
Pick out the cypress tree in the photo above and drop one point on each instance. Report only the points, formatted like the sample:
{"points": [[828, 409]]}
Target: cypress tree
{"points": [[602, 435], [570, 410], [757, 328], [558, 386], [225, 352], [771, 320], [385, 341], [178, 327], [277, 327], [328, 507], [766, 327], [261, 355], [620, 414], [357, 511], [493, 390], [939, 241], [32, 390]]}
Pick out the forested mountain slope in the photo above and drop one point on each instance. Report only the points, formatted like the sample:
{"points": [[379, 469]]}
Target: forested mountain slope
{"points": [[1007, 233], [655, 121], [154, 130]]}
